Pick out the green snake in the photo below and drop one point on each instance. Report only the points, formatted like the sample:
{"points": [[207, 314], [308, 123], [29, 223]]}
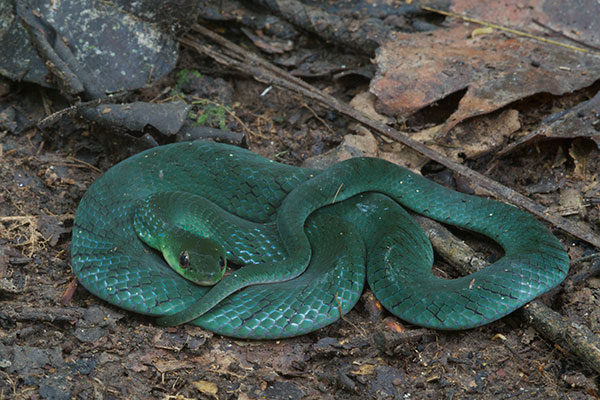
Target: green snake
{"points": [[306, 241]]}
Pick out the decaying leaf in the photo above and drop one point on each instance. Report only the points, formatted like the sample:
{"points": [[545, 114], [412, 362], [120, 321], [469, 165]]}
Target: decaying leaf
{"points": [[365, 102], [365, 369], [580, 152], [480, 136], [571, 202], [582, 121], [163, 366], [207, 388], [495, 69], [540, 17]]}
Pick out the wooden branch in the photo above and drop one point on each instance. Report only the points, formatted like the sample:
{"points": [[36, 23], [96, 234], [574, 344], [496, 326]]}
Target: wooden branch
{"points": [[577, 339], [18, 313], [573, 337], [263, 71]]}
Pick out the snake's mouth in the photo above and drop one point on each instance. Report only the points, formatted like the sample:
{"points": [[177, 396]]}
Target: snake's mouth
{"points": [[211, 278]]}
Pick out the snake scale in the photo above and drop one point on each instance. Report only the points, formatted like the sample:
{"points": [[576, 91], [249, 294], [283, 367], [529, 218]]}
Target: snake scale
{"points": [[307, 239]]}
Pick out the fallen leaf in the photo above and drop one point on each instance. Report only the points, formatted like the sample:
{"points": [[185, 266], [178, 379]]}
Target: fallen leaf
{"points": [[365, 369], [580, 152], [539, 17], [207, 388], [494, 70], [570, 202], [581, 121], [479, 136], [365, 103], [361, 145], [528, 336], [163, 366]]}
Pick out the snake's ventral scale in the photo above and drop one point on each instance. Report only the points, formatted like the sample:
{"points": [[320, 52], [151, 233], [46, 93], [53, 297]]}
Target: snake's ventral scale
{"points": [[159, 226]]}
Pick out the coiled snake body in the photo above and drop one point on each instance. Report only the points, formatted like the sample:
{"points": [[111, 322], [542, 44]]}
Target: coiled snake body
{"points": [[308, 239]]}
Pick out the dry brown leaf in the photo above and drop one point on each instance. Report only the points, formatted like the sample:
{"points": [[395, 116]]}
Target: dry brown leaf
{"points": [[571, 202], [365, 102], [480, 136], [207, 388], [581, 121], [495, 69], [580, 151], [163, 366], [365, 369], [539, 17]]}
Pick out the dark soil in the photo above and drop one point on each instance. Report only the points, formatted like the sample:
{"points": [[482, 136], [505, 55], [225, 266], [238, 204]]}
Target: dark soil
{"points": [[88, 349]]}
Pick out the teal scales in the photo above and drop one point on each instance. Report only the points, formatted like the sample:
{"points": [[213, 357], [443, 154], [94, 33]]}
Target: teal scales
{"points": [[309, 240]]}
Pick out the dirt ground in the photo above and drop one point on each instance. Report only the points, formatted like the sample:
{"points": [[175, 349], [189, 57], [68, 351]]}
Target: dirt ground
{"points": [[88, 349]]}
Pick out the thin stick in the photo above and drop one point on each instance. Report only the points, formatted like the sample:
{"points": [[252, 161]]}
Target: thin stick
{"points": [[572, 39], [578, 339], [510, 30], [272, 75]]}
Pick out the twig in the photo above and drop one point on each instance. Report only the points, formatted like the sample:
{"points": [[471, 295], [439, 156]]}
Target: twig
{"points": [[84, 164], [316, 116], [583, 275], [11, 382], [509, 30], [52, 118], [572, 39], [228, 111], [41, 314], [396, 341], [585, 258], [578, 339], [265, 72]]}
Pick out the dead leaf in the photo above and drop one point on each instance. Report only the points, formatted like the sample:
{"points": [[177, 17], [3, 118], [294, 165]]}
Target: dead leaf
{"points": [[362, 145], [163, 366], [365, 103], [539, 17], [580, 151], [207, 388], [365, 369], [137, 366], [139, 363], [571, 202], [51, 228], [363, 141], [495, 69], [581, 121], [407, 157], [479, 136], [528, 336]]}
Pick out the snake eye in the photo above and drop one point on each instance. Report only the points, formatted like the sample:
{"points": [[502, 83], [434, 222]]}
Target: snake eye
{"points": [[184, 260], [221, 261]]}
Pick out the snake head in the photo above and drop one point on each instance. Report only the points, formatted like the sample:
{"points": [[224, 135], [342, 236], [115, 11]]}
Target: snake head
{"points": [[200, 260]]}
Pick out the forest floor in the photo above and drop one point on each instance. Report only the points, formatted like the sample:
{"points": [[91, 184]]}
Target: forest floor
{"points": [[86, 348]]}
